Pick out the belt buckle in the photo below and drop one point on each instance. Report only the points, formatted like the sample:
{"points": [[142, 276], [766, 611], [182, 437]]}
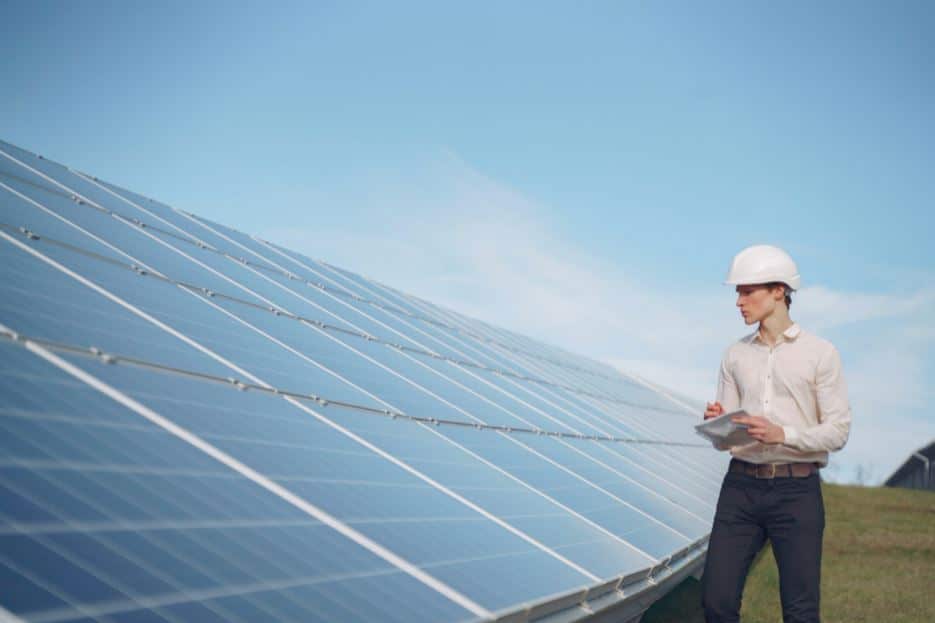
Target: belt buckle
{"points": [[772, 470]]}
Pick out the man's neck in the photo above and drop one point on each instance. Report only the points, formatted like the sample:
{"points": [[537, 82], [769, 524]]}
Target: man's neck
{"points": [[773, 326]]}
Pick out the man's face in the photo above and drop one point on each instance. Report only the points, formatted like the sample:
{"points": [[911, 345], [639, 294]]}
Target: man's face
{"points": [[756, 302]]}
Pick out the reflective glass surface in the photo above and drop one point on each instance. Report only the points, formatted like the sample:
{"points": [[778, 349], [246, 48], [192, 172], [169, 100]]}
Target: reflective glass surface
{"points": [[95, 192], [17, 212], [104, 514], [348, 480], [196, 316], [106, 517], [41, 301]]}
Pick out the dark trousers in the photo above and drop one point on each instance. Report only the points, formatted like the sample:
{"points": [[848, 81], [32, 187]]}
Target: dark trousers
{"points": [[790, 513]]}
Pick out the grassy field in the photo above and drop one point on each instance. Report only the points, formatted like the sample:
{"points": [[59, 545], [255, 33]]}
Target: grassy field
{"points": [[878, 564]]}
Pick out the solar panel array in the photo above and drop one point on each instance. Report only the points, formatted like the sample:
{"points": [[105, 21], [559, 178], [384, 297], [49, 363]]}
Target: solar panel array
{"points": [[199, 425]]}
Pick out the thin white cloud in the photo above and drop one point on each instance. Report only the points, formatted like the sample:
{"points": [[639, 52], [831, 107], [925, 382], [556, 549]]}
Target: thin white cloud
{"points": [[823, 308], [454, 236]]}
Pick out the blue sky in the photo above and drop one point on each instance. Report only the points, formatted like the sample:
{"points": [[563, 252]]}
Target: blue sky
{"points": [[580, 172]]}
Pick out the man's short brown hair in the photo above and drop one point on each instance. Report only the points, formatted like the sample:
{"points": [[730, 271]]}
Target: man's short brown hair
{"points": [[786, 289]]}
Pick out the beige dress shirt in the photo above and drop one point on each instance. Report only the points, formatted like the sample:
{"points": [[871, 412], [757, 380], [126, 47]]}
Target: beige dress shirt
{"points": [[798, 384]]}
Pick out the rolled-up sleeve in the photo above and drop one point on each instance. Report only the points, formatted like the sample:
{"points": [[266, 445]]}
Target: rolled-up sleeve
{"points": [[834, 412]]}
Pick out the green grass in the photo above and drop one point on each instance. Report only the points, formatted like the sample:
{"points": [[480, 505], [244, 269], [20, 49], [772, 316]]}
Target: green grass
{"points": [[878, 564]]}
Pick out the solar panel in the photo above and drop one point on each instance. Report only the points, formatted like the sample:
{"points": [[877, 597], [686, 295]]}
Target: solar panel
{"points": [[200, 425]]}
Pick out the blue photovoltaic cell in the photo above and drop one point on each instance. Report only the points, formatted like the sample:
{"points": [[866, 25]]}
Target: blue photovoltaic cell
{"points": [[101, 510], [16, 212], [106, 517], [354, 484], [508, 360], [41, 301], [36, 170], [118, 331], [289, 294], [393, 390]]}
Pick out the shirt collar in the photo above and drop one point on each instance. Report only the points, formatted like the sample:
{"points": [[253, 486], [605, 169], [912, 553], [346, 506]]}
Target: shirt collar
{"points": [[788, 335]]}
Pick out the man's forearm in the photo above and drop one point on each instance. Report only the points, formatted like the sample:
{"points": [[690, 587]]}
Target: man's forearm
{"points": [[825, 437]]}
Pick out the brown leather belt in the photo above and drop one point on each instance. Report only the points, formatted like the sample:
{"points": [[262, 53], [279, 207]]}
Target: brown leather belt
{"points": [[773, 470]]}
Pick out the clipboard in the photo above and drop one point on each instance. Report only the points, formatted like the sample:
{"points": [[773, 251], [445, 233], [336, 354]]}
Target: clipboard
{"points": [[723, 431]]}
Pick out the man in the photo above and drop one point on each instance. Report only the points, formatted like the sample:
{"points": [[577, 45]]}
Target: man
{"points": [[790, 384]]}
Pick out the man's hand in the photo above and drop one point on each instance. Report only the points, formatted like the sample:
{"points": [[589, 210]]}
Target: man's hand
{"points": [[713, 409], [761, 429]]}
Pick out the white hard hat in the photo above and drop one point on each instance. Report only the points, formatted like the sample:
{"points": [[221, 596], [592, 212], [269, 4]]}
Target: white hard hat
{"points": [[763, 263]]}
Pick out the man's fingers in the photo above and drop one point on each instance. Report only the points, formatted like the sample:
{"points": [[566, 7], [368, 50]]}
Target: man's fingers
{"points": [[751, 420], [712, 410]]}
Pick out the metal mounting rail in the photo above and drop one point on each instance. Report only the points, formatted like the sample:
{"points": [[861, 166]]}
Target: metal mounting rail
{"points": [[34, 237], [322, 401], [292, 276]]}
